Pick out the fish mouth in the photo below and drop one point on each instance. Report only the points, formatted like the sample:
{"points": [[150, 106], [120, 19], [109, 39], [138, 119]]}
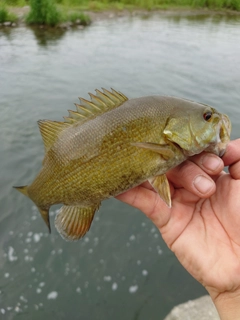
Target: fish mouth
{"points": [[221, 153], [222, 137]]}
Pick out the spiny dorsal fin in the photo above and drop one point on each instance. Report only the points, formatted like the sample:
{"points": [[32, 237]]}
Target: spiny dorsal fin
{"points": [[99, 104], [50, 131]]}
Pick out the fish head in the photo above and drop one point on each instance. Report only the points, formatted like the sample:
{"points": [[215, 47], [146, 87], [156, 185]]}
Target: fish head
{"points": [[199, 129], [222, 137]]}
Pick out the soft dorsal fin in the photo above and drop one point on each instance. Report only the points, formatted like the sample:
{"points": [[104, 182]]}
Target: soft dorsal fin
{"points": [[50, 131], [99, 104]]}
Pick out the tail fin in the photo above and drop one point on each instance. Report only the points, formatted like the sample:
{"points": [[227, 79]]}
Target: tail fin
{"points": [[45, 216], [44, 212]]}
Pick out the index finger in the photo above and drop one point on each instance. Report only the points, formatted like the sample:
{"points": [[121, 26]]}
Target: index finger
{"points": [[146, 199], [232, 153], [232, 158], [196, 174]]}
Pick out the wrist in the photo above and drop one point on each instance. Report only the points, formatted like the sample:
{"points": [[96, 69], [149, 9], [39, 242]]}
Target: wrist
{"points": [[227, 304]]}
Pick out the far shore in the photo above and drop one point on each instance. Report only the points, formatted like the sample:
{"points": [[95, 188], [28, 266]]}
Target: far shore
{"points": [[21, 13]]}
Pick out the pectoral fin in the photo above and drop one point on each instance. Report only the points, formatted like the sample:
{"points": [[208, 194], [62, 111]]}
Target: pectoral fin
{"points": [[164, 150], [161, 185], [72, 222]]}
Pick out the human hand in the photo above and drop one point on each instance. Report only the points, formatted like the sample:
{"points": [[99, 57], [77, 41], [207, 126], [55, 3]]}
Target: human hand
{"points": [[203, 226]]}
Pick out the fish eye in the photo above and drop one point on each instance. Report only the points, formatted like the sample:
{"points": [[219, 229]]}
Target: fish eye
{"points": [[207, 115]]}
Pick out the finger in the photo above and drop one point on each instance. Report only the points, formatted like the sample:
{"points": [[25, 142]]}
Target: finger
{"points": [[232, 158], [208, 162], [190, 176], [232, 154], [149, 202], [140, 197], [147, 185], [234, 170]]}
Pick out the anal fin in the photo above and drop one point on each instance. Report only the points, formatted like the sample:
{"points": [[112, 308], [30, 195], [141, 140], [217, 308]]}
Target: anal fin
{"points": [[72, 222], [161, 185]]}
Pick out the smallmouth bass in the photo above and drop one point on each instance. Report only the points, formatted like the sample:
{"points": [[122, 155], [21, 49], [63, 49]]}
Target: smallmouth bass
{"points": [[111, 144]]}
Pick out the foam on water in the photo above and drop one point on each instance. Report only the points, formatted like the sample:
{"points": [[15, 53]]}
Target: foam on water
{"points": [[114, 286], [28, 258], [144, 272], [107, 278], [36, 237], [132, 237], [52, 295], [159, 250], [11, 256], [23, 299], [133, 289], [78, 290]]}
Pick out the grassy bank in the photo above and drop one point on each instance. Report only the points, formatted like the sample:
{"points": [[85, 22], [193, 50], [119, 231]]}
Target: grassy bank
{"points": [[5, 15], [43, 12], [152, 4], [137, 4], [56, 12]]}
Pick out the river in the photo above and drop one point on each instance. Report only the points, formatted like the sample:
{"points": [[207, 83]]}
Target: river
{"points": [[121, 269]]}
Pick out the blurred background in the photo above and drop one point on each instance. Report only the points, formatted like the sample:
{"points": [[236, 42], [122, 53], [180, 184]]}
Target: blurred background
{"points": [[121, 269]]}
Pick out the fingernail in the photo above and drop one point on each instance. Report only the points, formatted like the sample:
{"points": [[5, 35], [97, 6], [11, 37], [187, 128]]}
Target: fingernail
{"points": [[211, 162], [202, 184]]}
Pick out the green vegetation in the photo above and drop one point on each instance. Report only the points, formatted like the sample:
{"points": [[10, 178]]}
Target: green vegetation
{"points": [[150, 4], [18, 3], [43, 12], [79, 18], [5, 15], [218, 4], [50, 12]]}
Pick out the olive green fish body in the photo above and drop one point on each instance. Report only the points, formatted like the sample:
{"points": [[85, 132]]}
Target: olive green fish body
{"points": [[91, 157]]}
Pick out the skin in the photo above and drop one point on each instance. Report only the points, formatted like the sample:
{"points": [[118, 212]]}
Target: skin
{"points": [[203, 226]]}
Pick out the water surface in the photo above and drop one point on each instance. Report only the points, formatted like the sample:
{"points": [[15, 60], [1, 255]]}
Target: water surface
{"points": [[121, 269]]}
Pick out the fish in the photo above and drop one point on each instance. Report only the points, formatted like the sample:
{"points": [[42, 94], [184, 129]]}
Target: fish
{"points": [[111, 144]]}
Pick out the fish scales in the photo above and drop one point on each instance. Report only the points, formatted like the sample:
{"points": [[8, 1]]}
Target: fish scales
{"points": [[102, 133], [117, 149]]}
